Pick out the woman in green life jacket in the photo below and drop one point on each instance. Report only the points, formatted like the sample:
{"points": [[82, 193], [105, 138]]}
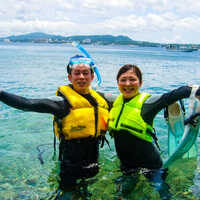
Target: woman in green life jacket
{"points": [[131, 125]]}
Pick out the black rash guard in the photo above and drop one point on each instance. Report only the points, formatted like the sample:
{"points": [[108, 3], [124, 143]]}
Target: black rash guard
{"points": [[57, 106], [156, 103]]}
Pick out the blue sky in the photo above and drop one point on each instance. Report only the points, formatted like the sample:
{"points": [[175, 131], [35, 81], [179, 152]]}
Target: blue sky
{"points": [[165, 21]]}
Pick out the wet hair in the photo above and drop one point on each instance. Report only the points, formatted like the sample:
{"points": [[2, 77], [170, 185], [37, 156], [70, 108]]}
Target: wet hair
{"points": [[127, 67], [69, 69]]}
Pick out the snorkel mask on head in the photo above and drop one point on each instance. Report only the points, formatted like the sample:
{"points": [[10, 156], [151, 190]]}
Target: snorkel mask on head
{"points": [[76, 60], [87, 60]]}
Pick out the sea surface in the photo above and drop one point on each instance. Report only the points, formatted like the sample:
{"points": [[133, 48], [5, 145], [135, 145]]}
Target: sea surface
{"points": [[36, 70]]}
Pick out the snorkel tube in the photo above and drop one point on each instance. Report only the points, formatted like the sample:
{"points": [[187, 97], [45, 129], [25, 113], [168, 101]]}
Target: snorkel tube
{"points": [[77, 45]]}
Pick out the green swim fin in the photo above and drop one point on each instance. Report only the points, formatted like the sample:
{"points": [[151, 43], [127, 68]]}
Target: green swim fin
{"points": [[183, 143]]}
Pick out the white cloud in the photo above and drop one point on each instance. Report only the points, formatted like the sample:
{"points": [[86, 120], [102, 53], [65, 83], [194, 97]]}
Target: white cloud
{"points": [[106, 3], [153, 20], [20, 27]]}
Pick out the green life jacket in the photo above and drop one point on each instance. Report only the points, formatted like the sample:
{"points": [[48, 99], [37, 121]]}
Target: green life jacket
{"points": [[127, 116]]}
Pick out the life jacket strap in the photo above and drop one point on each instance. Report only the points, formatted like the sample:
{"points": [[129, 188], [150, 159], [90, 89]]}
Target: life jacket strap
{"points": [[61, 137], [103, 140], [153, 134]]}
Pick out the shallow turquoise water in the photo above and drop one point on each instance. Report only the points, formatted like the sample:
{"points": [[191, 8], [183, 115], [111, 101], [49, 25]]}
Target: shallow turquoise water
{"points": [[36, 70]]}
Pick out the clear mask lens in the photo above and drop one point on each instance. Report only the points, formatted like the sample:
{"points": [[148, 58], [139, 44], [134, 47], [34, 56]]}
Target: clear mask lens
{"points": [[78, 64], [74, 61]]}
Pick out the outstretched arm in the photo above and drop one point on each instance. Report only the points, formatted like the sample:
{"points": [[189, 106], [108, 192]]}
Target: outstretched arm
{"points": [[56, 107], [156, 103]]}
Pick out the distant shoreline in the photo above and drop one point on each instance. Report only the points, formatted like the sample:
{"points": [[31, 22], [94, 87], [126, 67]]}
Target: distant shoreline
{"points": [[39, 37]]}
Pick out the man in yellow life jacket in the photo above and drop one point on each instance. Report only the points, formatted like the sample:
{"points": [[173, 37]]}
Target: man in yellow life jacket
{"points": [[81, 129], [80, 121]]}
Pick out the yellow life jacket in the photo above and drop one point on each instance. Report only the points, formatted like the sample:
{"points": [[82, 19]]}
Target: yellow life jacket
{"points": [[127, 116], [84, 120]]}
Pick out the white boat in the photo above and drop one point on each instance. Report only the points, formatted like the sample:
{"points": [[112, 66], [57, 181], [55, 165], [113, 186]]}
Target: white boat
{"points": [[181, 48]]}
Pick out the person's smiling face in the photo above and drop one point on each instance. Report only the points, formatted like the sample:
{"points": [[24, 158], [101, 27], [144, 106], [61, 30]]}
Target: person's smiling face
{"points": [[129, 84], [81, 78]]}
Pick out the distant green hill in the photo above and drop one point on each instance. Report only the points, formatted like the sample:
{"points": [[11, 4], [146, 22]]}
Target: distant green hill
{"points": [[105, 39], [84, 39], [39, 37], [32, 37]]}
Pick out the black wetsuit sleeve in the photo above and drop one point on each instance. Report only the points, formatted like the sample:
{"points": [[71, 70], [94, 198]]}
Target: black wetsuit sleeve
{"points": [[154, 105], [57, 108]]}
